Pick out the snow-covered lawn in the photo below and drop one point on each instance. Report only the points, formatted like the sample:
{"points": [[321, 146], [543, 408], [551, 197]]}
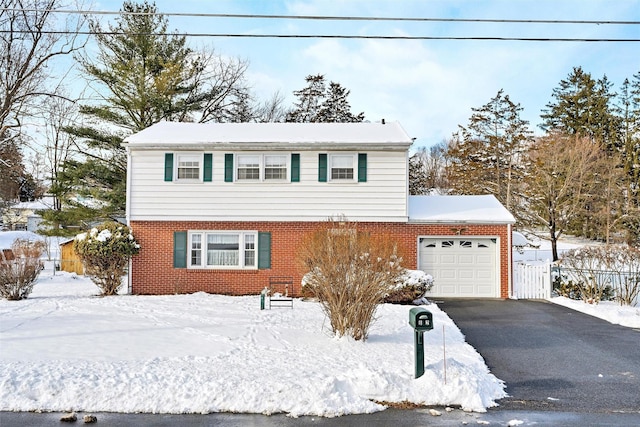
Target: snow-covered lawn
{"points": [[65, 349]]}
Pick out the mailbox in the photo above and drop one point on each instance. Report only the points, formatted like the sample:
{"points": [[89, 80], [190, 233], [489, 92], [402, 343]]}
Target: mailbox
{"points": [[421, 319]]}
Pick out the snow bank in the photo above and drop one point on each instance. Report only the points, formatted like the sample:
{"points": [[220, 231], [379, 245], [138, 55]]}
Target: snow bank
{"points": [[610, 311]]}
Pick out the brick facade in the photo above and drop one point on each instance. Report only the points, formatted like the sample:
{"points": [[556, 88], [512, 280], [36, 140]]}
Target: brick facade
{"points": [[152, 269]]}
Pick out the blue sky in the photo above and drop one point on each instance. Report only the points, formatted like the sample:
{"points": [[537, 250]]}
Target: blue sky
{"points": [[429, 86]]}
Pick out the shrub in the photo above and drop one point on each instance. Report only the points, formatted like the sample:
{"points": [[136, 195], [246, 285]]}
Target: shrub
{"points": [[410, 287], [575, 290], [105, 251], [19, 272], [602, 272], [350, 272]]}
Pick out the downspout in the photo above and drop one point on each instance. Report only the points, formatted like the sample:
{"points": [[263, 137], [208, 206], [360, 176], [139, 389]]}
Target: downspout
{"points": [[510, 259], [128, 214]]}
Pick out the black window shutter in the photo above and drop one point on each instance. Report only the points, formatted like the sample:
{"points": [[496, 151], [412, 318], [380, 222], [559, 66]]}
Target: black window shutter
{"points": [[264, 250], [168, 167], [228, 168], [322, 168], [208, 168], [179, 249], [362, 167], [295, 168]]}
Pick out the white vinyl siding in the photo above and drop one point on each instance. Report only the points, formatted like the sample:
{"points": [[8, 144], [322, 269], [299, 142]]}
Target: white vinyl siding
{"points": [[382, 198]]}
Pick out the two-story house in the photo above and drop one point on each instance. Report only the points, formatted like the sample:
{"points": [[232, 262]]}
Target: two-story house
{"points": [[220, 208]]}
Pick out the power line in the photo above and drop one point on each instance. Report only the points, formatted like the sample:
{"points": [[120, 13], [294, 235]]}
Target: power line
{"points": [[342, 36], [333, 18]]}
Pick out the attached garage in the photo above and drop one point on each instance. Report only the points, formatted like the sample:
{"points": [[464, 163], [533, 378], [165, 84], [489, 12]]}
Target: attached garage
{"points": [[461, 267], [465, 244]]}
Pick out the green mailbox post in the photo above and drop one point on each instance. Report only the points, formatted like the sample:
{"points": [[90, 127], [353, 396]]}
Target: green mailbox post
{"points": [[421, 320]]}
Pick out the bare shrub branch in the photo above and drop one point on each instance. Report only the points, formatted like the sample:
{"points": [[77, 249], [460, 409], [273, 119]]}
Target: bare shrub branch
{"points": [[350, 272], [19, 272], [595, 269]]}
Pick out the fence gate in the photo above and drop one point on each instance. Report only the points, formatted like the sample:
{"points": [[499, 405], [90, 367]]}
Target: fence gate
{"points": [[531, 281]]}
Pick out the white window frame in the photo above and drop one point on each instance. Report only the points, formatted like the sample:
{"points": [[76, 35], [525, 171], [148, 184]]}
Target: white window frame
{"points": [[188, 157], [244, 239], [262, 159], [332, 157]]}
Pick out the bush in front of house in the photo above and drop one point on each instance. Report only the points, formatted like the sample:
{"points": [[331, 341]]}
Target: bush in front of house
{"points": [[410, 288], [599, 273], [105, 251], [350, 272], [20, 268]]}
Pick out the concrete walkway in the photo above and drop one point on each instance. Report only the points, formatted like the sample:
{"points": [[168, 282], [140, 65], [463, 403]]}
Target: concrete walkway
{"points": [[551, 357]]}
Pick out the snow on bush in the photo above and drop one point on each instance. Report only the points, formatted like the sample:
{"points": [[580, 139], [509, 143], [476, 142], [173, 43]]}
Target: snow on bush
{"points": [[410, 288], [105, 251]]}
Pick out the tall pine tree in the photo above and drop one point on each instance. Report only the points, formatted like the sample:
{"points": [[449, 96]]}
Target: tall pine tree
{"points": [[485, 156], [583, 107], [142, 74], [319, 104]]}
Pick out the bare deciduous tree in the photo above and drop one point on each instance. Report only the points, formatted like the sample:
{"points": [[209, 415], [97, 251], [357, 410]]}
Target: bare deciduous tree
{"points": [[561, 178], [28, 45], [427, 170]]}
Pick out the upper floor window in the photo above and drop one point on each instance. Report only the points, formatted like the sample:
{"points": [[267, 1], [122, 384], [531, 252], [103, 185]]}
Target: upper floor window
{"points": [[341, 166], [275, 167], [188, 166], [248, 167], [262, 167]]}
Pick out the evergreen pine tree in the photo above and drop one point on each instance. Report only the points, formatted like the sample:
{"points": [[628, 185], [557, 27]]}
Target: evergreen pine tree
{"points": [[143, 74], [317, 103], [485, 156], [417, 175], [582, 106], [336, 108], [310, 99]]}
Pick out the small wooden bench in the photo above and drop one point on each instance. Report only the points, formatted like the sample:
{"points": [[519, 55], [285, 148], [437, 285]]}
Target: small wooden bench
{"points": [[280, 292]]}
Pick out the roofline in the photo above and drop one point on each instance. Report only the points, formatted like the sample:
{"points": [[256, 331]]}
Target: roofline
{"points": [[276, 145], [464, 221]]}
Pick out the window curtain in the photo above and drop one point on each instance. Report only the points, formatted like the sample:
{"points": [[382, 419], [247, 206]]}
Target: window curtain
{"points": [[222, 249]]}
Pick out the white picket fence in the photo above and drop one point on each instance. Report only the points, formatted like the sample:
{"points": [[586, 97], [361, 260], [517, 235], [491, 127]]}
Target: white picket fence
{"points": [[531, 281]]}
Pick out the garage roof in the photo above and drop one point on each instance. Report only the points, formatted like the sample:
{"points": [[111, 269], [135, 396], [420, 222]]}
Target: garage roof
{"points": [[484, 209]]}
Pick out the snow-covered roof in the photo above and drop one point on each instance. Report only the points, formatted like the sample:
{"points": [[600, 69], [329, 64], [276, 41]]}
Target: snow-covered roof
{"points": [[483, 209], [8, 237], [42, 204], [519, 239], [164, 134]]}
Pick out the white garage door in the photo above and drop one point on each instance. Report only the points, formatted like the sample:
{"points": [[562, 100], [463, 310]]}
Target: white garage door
{"points": [[461, 267]]}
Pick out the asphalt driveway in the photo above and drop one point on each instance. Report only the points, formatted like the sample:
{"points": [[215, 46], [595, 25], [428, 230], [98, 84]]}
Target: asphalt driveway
{"points": [[551, 357]]}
